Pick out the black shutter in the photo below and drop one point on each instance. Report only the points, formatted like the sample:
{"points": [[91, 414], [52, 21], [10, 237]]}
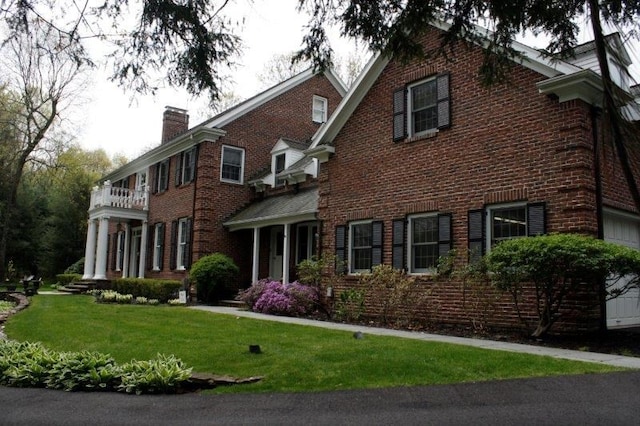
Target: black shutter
{"points": [[179, 166], [174, 245], [399, 114], [444, 101], [476, 235], [536, 219], [398, 240], [341, 250], [148, 261], [161, 246], [376, 243], [165, 175], [187, 246], [154, 179], [121, 249], [444, 234], [114, 250], [190, 172]]}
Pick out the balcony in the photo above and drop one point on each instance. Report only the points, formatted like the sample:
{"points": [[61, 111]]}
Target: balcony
{"points": [[109, 196]]}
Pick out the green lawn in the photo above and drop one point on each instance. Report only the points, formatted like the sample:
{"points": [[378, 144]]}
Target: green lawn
{"points": [[295, 358]]}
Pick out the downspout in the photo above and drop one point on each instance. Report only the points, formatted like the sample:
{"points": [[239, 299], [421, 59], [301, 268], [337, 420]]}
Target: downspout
{"points": [[602, 291]]}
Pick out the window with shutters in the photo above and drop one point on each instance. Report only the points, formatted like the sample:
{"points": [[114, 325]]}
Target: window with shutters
{"points": [[365, 246], [489, 226], [158, 245], [120, 239], [232, 168], [185, 166], [422, 108], [424, 238]]}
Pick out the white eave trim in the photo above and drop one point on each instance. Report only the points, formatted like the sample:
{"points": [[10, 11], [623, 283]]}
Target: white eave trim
{"points": [[270, 221], [269, 94], [321, 152], [585, 85], [166, 150]]}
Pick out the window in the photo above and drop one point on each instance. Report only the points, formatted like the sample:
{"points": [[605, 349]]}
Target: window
{"points": [[421, 108], [506, 223], [182, 244], [232, 164], [180, 258], [158, 245], [162, 176], [307, 240], [489, 226], [141, 181], [120, 250], [319, 113], [423, 244], [185, 166], [427, 238], [279, 165], [365, 245]]}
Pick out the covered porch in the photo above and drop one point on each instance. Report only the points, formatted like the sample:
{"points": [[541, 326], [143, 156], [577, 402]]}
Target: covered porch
{"points": [[121, 213], [284, 232]]}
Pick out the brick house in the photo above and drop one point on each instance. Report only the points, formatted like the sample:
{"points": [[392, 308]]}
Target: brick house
{"points": [[165, 209], [420, 158]]}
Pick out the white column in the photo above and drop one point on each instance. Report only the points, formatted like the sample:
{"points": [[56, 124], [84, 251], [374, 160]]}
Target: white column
{"points": [[101, 253], [143, 250], [255, 270], [285, 254], [127, 248], [90, 251]]}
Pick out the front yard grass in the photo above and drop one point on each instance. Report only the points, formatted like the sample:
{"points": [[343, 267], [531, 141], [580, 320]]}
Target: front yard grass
{"points": [[294, 358]]}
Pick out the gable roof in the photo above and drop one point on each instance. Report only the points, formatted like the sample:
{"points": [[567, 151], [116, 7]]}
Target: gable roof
{"points": [[531, 58], [248, 105], [211, 128]]}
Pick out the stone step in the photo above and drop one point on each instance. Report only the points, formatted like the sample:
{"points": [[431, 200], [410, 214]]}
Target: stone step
{"points": [[233, 304]]}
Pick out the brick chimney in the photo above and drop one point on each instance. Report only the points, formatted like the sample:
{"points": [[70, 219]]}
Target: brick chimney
{"points": [[174, 122]]}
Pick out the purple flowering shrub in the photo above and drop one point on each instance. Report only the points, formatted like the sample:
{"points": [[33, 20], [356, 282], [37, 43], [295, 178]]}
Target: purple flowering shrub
{"points": [[251, 295], [275, 298]]}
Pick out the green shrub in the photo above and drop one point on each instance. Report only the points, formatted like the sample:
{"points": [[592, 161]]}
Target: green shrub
{"points": [[76, 268], [164, 374], [560, 264], [215, 277], [65, 279], [162, 290], [350, 305], [25, 364], [394, 290]]}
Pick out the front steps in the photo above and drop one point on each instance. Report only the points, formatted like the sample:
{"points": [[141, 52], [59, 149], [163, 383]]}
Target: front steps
{"points": [[80, 287]]}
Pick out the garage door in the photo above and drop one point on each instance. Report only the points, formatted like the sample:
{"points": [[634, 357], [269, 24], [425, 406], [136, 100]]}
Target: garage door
{"points": [[623, 311]]}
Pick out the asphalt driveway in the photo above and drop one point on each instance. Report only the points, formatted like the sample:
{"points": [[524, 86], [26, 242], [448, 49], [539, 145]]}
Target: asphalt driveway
{"points": [[595, 399]]}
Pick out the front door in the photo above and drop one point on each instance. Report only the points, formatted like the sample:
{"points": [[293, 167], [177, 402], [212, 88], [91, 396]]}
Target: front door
{"points": [[275, 253], [134, 256]]}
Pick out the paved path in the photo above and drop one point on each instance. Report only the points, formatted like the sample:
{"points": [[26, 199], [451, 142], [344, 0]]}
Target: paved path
{"points": [[615, 360]]}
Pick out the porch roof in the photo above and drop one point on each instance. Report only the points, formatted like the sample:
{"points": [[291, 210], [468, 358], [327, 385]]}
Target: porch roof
{"points": [[277, 210]]}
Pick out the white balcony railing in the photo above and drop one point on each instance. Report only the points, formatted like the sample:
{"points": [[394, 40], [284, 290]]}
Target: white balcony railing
{"points": [[125, 198]]}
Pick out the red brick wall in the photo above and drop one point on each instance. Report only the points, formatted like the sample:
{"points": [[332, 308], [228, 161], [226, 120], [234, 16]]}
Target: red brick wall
{"points": [[209, 202], [506, 143]]}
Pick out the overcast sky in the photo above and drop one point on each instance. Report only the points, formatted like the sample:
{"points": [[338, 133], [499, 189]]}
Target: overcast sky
{"points": [[112, 120]]}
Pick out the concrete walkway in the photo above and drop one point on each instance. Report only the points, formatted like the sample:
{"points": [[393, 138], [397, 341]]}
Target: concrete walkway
{"points": [[614, 360]]}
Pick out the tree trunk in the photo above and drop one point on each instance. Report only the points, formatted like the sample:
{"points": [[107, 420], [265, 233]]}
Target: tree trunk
{"points": [[610, 106]]}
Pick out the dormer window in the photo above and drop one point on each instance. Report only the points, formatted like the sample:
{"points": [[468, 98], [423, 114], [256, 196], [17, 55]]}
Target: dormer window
{"points": [[279, 164], [319, 114]]}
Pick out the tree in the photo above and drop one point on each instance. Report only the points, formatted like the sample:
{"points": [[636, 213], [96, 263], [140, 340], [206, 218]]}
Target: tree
{"points": [[39, 72], [560, 265]]}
